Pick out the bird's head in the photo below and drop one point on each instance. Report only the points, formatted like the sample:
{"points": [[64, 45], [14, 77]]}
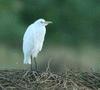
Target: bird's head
{"points": [[43, 22]]}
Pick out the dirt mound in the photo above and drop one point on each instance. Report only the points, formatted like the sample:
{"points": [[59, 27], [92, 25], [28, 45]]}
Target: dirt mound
{"points": [[31, 80]]}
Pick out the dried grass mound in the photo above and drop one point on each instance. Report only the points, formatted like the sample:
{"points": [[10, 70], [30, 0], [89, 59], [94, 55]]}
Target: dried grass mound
{"points": [[31, 80]]}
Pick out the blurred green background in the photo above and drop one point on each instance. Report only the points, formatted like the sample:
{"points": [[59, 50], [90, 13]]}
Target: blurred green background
{"points": [[73, 39]]}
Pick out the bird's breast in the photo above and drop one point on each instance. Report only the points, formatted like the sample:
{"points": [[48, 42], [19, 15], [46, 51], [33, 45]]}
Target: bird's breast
{"points": [[40, 33], [39, 38]]}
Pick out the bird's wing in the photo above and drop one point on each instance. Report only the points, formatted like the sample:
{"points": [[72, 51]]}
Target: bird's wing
{"points": [[28, 40], [33, 39]]}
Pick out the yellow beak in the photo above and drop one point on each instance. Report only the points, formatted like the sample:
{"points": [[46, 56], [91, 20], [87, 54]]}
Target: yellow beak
{"points": [[48, 22]]}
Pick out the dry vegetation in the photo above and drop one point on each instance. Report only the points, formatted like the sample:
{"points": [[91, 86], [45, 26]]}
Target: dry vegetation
{"points": [[31, 80]]}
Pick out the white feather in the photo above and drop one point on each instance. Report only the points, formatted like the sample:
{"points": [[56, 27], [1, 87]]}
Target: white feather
{"points": [[33, 40]]}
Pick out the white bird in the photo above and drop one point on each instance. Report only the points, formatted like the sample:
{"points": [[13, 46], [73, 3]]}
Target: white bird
{"points": [[33, 40]]}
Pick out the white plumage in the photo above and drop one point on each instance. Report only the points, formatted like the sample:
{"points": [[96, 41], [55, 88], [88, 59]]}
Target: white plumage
{"points": [[33, 39]]}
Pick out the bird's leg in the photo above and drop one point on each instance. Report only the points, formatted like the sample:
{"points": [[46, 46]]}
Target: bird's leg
{"points": [[31, 63], [36, 67]]}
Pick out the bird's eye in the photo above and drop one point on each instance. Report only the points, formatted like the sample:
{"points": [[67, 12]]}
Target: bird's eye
{"points": [[41, 22]]}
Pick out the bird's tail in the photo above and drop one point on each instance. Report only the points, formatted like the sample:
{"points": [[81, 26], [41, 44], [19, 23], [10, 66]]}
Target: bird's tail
{"points": [[27, 60]]}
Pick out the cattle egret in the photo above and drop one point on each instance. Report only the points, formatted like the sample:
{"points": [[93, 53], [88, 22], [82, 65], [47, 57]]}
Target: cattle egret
{"points": [[33, 40]]}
